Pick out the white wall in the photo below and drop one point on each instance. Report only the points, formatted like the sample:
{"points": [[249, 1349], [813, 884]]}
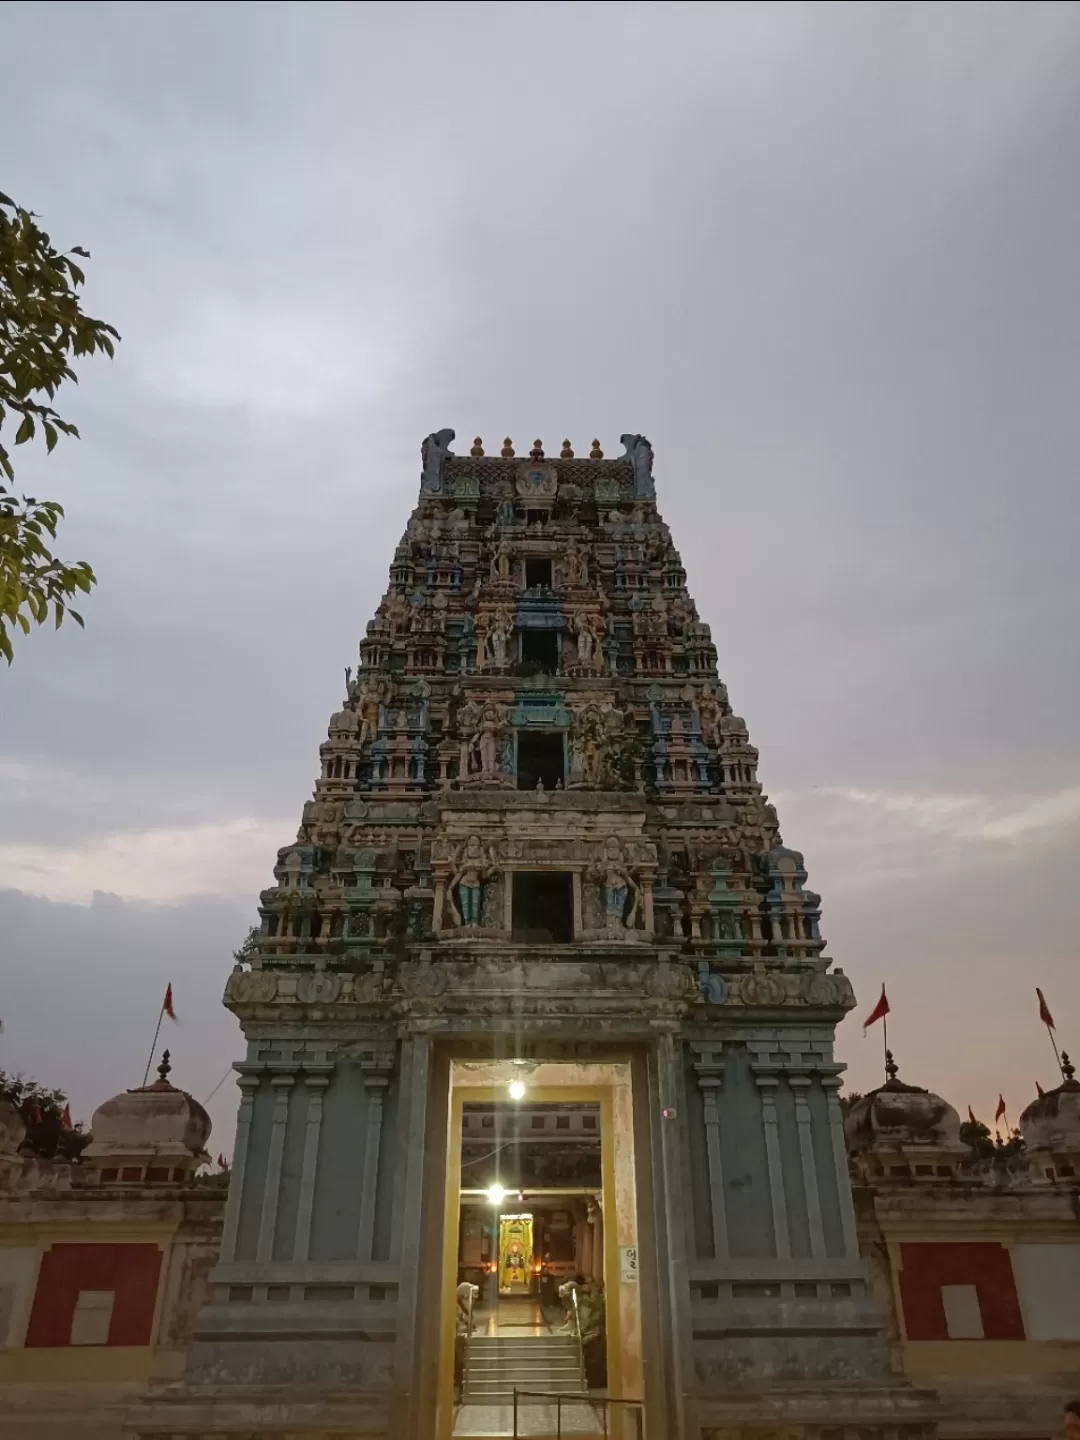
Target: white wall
{"points": [[1048, 1284]]}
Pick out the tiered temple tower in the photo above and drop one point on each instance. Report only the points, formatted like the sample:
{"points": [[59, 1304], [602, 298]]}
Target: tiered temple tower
{"points": [[538, 835]]}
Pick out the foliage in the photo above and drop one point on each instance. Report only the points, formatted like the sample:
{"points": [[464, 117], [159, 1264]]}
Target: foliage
{"points": [[978, 1138], [42, 1112], [42, 330], [249, 948], [849, 1099]]}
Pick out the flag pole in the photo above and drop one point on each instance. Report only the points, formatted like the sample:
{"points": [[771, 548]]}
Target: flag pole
{"points": [[885, 1039], [1057, 1052], [153, 1047]]}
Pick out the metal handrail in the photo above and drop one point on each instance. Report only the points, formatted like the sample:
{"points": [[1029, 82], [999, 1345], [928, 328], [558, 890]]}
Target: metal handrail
{"points": [[577, 1329], [468, 1338], [603, 1403]]}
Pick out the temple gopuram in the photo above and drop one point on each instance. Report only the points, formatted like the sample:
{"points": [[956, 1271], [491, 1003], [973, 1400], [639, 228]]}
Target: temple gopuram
{"points": [[540, 1129]]}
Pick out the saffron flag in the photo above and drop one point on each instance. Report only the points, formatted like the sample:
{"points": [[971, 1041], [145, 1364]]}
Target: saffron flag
{"points": [[221, 1162], [65, 1119], [1000, 1111], [1044, 1010], [880, 1010], [971, 1116], [1039, 1088], [167, 1005]]}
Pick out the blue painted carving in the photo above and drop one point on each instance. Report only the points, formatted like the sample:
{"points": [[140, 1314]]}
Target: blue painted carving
{"points": [[713, 988], [640, 454], [433, 453], [540, 709]]}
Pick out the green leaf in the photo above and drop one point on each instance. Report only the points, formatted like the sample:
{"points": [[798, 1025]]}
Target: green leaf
{"points": [[51, 436], [25, 431]]}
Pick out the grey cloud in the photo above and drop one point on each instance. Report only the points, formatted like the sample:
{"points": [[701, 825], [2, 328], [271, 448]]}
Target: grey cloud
{"points": [[825, 256]]}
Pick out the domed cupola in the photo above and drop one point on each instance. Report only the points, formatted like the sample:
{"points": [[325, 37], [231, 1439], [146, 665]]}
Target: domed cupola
{"points": [[155, 1135], [902, 1132], [1051, 1129]]}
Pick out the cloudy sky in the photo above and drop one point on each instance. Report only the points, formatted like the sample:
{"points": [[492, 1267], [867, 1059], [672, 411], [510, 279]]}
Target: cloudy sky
{"points": [[827, 258]]}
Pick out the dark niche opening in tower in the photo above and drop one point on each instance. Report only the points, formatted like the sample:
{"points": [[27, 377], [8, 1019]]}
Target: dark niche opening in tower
{"points": [[543, 907], [539, 760], [538, 574], [541, 648]]}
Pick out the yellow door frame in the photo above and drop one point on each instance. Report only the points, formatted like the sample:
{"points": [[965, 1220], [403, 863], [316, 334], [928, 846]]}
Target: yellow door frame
{"points": [[542, 1095]]}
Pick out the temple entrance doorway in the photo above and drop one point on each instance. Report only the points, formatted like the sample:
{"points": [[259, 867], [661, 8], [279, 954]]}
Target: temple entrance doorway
{"points": [[540, 1271]]}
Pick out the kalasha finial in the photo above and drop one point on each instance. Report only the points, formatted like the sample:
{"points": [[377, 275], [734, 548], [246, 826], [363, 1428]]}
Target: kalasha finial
{"points": [[891, 1067], [477, 447], [164, 1068], [596, 453], [508, 449], [566, 453], [537, 452], [1068, 1069]]}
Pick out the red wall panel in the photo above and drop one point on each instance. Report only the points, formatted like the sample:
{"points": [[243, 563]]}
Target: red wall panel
{"points": [[131, 1271], [926, 1268]]}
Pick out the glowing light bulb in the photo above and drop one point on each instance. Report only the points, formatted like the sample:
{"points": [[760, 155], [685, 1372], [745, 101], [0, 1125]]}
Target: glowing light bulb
{"points": [[496, 1194], [517, 1090]]}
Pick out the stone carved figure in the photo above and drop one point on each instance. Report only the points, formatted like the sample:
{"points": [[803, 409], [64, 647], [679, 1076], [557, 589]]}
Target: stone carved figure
{"points": [[709, 713], [572, 567], [640, 454], [619, 886], [502, 560], [373, 692], [468, 719], [487, 741], [498, 638], [473, 868], [433, 454], [584, 630]]}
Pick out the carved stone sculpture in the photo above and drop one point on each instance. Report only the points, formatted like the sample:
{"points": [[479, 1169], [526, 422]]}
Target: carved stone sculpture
{"points": [[433, 455]]}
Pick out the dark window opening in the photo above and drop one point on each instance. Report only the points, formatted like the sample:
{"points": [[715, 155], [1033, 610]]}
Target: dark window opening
{"points": [[537, 517], [541, 647], [539, 758], [537, 574], [562, 1122], [543, 907]]}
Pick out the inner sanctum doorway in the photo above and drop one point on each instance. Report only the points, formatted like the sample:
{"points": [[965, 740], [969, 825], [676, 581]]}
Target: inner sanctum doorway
{"points": [[541, 1289]]}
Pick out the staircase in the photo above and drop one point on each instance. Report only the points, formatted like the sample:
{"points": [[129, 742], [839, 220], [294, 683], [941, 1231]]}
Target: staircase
{"points": [[499, 1364]]}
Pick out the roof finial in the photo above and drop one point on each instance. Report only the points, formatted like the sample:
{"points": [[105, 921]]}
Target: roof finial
{"points": [[1068, 1069], [566, 453], [891, 1067], [537, 452], [596, 453], [508, 449], [477, 447], [164, 1068]]}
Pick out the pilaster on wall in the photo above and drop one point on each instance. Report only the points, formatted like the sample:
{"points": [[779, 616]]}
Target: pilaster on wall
{"points": [[777, 1285], [298, 1287]]}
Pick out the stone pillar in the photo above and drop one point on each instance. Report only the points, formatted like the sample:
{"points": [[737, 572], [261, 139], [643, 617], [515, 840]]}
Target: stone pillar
{"points": [[316, 1085], [440, 902], [647, 903], [710, 1073], [579, 923], [594, 1226], [413, 1134], [831, 1085], [249, 1084], [508, 900], [268, 1219], [767, 1085], [375, 1082], [675, 1217], [800, 1085], [585, 1260]]}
